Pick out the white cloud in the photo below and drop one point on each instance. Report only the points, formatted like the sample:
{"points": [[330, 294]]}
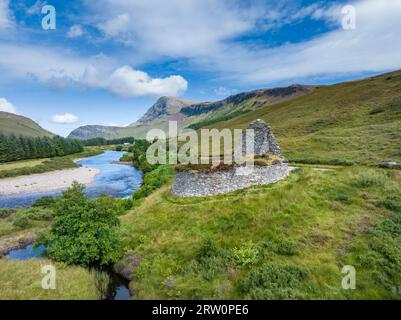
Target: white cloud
{"points": [[75, 31], [6, 18], [6, 106], [36, 7], [60, 70], [128, 82], [225, 92], [205, 33], [65, 118]]}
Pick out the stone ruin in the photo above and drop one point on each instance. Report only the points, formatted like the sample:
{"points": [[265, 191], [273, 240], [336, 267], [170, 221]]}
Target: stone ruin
{"points": [[264, 140], [207, 183]]}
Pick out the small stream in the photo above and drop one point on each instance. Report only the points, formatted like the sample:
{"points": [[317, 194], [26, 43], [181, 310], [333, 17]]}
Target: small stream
{"points": [[114, 179], [118, 286]]}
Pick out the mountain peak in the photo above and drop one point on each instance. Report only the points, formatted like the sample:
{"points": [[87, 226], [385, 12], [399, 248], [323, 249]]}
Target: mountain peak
{"points": [[164, 106]]}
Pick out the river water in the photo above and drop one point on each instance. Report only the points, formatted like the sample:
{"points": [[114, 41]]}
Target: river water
{"points": [[114, 179], [117, 288]]}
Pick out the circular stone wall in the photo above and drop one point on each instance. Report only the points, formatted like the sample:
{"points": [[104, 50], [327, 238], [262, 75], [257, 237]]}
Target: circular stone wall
{"points": [[201, 184]]}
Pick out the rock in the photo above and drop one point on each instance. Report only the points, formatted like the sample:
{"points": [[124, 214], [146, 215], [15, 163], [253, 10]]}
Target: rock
{"points": [[388, 164], [264, 140]]}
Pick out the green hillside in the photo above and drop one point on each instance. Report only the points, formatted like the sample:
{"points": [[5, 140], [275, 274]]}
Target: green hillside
{"points": [[352, 122], [289, 240], [15, 124]]}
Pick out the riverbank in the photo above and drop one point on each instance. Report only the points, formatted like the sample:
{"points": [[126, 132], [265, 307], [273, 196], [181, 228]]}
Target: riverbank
{"points": [[46, 182]]}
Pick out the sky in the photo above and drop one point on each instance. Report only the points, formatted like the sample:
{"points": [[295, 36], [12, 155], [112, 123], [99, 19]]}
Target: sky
{"points": [[107, 61]]}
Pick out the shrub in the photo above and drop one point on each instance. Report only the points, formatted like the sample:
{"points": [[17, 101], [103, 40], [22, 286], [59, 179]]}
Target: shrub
{"points": [[119, 148], [392, 203], [84, 231], [245, 255], [154, 180], [274, 282], [4, 213], [370, 178], [46, 201], [287, 248], [22, 221]]}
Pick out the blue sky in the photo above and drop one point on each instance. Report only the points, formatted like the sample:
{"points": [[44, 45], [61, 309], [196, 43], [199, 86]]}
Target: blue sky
{"points": [[108, 61]]}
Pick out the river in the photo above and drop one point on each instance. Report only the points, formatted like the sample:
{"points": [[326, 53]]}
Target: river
{"points": [[118, 287], [114, 179]]}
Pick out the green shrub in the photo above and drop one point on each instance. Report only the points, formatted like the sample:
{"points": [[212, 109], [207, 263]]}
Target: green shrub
{"points": [[274, 282], [287, 248], [46, 201], [154, 180], [370, 178], [392, 203], [4, 213], [22, 221], [84, 231], [245, 255], [119, 148]]}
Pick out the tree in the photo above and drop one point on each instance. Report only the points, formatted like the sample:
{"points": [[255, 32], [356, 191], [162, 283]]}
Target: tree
{"points": [[84, 231]]}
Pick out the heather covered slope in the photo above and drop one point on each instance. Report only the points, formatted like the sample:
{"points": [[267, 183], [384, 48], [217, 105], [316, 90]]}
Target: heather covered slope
{"points": [[352, 122], [14, 124]]}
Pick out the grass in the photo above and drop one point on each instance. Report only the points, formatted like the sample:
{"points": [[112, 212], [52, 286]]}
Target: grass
{"points": [[19, 125], [20, 168], [283, 241], [355, 122], [21, 164], [21, 280]]}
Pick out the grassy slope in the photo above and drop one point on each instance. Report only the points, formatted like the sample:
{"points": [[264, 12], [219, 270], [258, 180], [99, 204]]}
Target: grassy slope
{"points": [[334, 122], [27, 167], [21, 280], [18, 125], [313, 222]]}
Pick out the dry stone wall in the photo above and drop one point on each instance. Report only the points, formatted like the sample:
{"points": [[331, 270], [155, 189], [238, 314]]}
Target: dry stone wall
{"points": [[202, 184]]}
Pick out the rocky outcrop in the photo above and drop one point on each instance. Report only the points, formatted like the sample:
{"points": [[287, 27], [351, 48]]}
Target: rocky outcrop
{"points": [[165, 106]]}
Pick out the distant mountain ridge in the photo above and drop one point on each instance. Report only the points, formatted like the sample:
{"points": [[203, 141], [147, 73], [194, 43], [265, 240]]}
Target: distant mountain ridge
{"points": [[11, 123], [187, 112]]}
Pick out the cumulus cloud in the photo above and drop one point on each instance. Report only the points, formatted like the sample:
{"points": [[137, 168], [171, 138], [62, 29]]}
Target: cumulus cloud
{"points": [[75, 31], [61, 70], [65, 118], [128, 82], [6, 106]]}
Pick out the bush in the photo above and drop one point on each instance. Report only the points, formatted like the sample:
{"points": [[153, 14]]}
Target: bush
{"points": [[84, 231], [46, 201], [287, 248], [274, 282], [22, 221], [154, 180], [370, 178], [4, 213], [245, 255], [392, 203], [119, 148], [23, 218]]}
